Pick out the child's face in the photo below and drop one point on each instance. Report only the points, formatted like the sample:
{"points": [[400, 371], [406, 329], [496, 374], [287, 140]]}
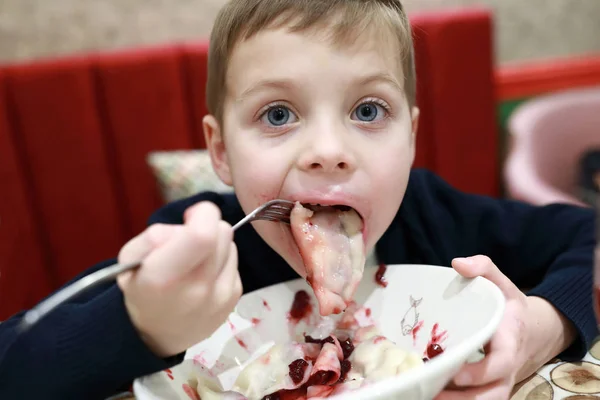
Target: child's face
{"points": [[305, 120]]}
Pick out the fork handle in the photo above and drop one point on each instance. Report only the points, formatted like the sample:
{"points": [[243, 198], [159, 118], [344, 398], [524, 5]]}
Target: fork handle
{"points": [[105, 274]]}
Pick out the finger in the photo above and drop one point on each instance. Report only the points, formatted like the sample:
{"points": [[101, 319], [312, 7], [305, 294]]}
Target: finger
{"points": [[223, 252], [497, 364], [495, 391], [228, 283], [138, 248], [189, 248], [196, 214], [471, 267]]}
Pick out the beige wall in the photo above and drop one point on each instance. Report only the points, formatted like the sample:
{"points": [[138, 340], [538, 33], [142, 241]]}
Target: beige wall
{"points": [[526, 29]]}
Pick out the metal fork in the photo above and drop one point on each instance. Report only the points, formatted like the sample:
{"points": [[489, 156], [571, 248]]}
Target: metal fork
{"points": [[274, 210]]}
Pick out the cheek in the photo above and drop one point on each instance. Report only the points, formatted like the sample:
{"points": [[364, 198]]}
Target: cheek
{"points": [[256, 179], [390, 169], [388, 176]]}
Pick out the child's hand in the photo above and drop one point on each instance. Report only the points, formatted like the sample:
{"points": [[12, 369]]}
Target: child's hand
{"points": [[188, 282], [495, 375]]}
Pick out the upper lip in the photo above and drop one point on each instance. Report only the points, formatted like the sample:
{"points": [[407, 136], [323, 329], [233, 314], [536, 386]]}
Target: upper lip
{"points": [[332, 199]]}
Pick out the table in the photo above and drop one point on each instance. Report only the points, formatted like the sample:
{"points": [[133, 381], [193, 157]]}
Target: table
{"points": [[559, 380]]}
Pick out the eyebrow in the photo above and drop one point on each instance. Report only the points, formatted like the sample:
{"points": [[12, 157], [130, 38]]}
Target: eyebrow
{"points": [[381, 78], [280, 84], [286, 84]]}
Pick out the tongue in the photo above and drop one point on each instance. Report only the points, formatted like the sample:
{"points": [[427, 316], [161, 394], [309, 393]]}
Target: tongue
{"points": [[332, 248]]}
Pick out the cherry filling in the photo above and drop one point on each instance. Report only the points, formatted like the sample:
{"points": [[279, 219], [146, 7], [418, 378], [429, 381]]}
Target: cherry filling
{"points": [[321, 378], [433, 350], [310, 339], [347, 348], [346, 365], [298, 368]]}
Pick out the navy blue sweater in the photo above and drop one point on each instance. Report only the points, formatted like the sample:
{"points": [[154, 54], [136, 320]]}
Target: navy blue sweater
{"points": [[88, 349]]}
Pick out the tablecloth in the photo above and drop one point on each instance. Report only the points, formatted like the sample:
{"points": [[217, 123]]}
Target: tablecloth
{"points": [[560, 380]]}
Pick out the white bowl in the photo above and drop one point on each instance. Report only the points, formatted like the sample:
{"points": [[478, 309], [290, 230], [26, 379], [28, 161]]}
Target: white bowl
{"points": [[469, 310]]}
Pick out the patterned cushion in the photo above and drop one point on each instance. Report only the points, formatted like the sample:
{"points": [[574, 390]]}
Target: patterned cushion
{"points": [[183, 173]]}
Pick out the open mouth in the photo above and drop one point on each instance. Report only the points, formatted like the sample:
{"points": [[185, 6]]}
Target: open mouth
{"points": [[321, 207], [331, 244]]}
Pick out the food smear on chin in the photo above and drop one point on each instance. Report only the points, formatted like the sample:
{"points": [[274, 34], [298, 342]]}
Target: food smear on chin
{"points": [[332, 248]]}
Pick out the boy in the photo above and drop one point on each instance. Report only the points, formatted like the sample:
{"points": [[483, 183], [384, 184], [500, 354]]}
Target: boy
{"points": [[313, 101]]}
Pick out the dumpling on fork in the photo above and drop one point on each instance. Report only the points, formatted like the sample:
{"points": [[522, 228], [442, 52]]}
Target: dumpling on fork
{"points": [[330, 240]]}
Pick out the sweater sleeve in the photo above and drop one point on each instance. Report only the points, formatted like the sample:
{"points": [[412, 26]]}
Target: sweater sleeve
{"points": [[549, 249], [85, 349], [88, 347]]}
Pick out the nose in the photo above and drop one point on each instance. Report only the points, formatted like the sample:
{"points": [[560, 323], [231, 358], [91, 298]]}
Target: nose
{"points": [[328, 151]]}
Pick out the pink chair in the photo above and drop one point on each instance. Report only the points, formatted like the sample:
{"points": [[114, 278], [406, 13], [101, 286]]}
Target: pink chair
{"points": [[549, 136]]}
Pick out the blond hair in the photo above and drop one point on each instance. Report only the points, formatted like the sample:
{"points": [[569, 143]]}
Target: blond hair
{"points": [[345, 19]]}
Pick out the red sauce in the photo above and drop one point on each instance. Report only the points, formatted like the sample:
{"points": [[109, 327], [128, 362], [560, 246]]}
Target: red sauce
{"points": [[379, 275], [190, 392], [379, 339], [242, 343], [437, 335], [266, 305], [368, 312], [255, 321], [301, 306], [416, 329]]}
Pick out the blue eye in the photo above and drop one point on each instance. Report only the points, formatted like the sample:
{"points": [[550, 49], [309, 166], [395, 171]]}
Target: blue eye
{"points": [[368, 112], [278, 116]]}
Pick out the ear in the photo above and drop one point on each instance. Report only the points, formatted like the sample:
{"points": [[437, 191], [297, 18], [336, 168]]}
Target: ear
{"points": [[216, 148], [414, 116]]}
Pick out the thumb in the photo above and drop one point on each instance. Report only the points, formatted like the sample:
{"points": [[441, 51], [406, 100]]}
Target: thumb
{"points": [[479, 265]]}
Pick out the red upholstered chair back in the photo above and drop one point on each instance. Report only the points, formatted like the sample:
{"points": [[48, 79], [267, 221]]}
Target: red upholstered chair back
{"points": [[75, 132]]}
